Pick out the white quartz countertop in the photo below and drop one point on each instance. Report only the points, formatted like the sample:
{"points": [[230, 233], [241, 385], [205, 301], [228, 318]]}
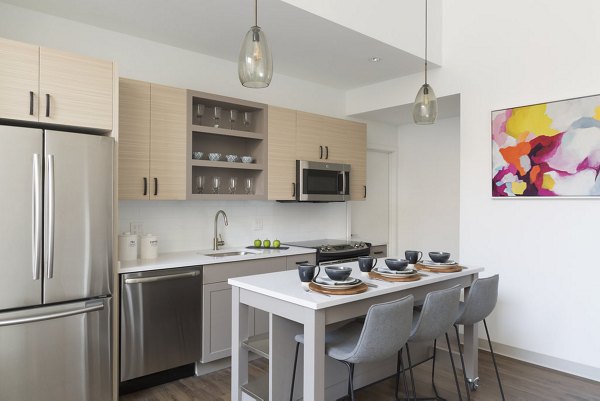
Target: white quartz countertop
{"points": [[286, 286], [199, 258]]}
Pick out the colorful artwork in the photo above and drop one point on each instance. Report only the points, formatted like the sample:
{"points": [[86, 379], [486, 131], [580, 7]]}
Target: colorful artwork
{"points": [[548, 149]]}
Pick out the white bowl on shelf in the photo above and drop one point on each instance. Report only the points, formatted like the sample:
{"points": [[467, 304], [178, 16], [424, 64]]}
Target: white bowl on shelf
{"points": [[214, 157], [197, 155], [231, 158], [247, 159]]}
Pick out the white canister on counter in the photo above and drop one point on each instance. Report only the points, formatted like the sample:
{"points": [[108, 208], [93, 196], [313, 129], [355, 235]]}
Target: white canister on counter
{"points": [[149, 246], [128, 246]]}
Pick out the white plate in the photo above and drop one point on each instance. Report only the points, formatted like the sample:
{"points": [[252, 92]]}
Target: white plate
{"points": [[393, 273], [326, 282], [431, 263]]}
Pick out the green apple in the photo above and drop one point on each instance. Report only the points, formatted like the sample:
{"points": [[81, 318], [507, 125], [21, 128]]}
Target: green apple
{"points": [[267, 243], [257, 243], [276, 243]]}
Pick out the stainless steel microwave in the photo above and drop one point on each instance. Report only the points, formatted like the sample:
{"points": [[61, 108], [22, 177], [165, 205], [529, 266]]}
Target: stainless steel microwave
{"points": [[322, 182]]}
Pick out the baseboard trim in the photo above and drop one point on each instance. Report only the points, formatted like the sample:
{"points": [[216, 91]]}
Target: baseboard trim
{"points": [[534, 358], [550, 362]]}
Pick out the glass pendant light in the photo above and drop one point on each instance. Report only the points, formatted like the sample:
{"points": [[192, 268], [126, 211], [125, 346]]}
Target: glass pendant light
{"points": [[255, 64], [425, 106]]}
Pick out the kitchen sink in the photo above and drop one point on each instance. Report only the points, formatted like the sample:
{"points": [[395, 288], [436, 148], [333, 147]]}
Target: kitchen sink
{"points": [[232, 253]]}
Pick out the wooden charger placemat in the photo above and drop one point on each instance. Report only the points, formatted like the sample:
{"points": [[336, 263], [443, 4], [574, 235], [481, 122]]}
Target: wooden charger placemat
{"points": [[401, 279], [362, 287], [449, 269]]}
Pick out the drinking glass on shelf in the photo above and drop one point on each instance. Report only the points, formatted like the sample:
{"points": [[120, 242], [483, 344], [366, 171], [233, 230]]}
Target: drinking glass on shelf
{"points": [[199, 112], [233, 115], [200, 183], [232, 184], [248, 184], [217, 116], [216, 184], [247, 119]]}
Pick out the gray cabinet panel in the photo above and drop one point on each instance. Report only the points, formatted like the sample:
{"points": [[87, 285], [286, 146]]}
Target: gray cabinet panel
{"points": [[379, 251], [295, 260]]}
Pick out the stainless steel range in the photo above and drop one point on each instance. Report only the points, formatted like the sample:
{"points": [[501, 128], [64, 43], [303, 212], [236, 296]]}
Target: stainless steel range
{"points": [[331, 251]]}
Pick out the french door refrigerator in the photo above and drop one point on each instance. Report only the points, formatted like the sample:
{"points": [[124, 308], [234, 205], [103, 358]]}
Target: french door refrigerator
{"points": [[56, 197]]}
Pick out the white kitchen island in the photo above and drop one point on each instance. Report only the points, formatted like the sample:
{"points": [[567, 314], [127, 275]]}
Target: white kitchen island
{"points": [[292, 310]]}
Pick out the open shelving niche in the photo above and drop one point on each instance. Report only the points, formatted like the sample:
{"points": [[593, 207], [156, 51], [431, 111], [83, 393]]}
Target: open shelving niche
{"points": [[227, 138], [258, 388]]}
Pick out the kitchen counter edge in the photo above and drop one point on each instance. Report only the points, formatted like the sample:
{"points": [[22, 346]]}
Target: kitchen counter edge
{"points": [[197, 258]]}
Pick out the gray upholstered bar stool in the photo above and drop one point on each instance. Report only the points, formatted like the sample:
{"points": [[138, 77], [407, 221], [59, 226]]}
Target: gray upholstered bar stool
{"points": [[435, 318], [384, 331], [480, 302]]}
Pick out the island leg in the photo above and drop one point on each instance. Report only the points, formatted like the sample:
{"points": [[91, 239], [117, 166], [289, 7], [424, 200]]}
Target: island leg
{"points": [[314, 355], [239, 355]]}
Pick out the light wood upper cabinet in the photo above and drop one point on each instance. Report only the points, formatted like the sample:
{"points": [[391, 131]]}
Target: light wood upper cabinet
{"points": [[282, 154], [356, 143], [168, 142], [55, 87], [134, 139], [152, 141], [75, 90], [19, 75]]}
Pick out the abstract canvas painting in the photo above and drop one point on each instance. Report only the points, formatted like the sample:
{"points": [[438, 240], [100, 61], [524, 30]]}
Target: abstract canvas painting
{"points": [[547, 150]]}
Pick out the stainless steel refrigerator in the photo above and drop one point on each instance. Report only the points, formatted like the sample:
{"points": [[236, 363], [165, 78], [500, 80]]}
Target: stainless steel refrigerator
{"points": [[56, 214]]}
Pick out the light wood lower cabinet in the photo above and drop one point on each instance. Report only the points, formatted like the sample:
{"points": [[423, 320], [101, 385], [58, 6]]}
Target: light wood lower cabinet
{"points": [[216, 302], [55, 87], [152, 141]]}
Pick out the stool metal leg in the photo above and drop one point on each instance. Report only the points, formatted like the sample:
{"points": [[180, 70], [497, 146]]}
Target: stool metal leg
{"points": [[412, 376], [462, 362], [400, 368], [453, 367], [350, 367], [487, 333], [294, 374]]}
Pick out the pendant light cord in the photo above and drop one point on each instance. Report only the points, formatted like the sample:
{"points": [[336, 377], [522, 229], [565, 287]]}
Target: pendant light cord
{"points": [[256, 12], [425, 42]]}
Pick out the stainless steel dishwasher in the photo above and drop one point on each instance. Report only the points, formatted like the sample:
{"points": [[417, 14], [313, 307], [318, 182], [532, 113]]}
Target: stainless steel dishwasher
{"points": [[161, 320]]}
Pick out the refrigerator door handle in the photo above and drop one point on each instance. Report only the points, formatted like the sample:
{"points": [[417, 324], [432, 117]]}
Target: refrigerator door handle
{"points": [[36, 205], [53, 315], [162, 278], [51, 208]]}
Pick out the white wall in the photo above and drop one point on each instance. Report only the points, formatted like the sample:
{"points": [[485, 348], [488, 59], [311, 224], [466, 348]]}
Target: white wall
{"points": [[498, 55], [428, 187]]}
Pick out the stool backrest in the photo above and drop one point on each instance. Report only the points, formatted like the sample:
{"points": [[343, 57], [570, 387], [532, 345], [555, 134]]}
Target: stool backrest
{"points": [[481, 301], [386, 329], [437, 315]]}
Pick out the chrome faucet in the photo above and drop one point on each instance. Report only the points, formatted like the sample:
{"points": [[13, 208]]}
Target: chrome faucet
{"points": [[218, 240]]}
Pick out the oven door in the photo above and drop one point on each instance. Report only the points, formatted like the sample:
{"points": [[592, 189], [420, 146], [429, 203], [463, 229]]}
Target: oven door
{"points": [[322, 182]]}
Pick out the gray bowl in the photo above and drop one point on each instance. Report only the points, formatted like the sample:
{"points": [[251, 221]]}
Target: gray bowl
{"points": [[396, 264], [338, 273], [439, 257]]}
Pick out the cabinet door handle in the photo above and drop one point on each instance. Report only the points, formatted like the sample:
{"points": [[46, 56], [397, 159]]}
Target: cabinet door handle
{"points": [[378, 253], [293, 189], [327, 152], [365, 190], [30, 103], [155, 186], [302, 262], [320, 151], [47, 105], [145, 186]]}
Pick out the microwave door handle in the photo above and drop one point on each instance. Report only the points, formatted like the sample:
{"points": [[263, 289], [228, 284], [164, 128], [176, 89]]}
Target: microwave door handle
{"points": [[343, 174]]}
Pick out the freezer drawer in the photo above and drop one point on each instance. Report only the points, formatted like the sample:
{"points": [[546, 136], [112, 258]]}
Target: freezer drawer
{"points": [[161, 320], [59, 352]]}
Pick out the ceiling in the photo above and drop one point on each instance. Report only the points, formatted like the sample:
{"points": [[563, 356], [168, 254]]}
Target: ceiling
{"points": [[304, 45]]}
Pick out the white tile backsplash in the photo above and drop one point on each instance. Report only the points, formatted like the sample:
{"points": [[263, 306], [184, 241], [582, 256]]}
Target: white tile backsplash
{"points": [[189, 225]]}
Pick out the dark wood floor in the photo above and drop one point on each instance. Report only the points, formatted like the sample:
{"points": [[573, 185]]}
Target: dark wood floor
{"points": [[521, 381]]}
